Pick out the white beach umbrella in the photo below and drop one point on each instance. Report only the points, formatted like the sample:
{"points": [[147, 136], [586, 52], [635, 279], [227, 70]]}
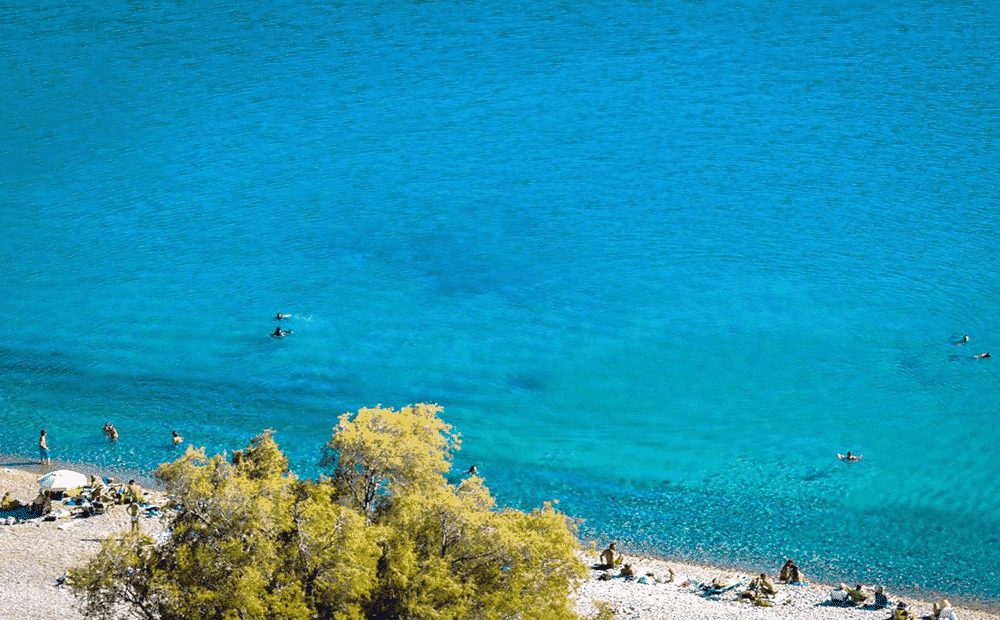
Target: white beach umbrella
{"points": [[62, 480]]}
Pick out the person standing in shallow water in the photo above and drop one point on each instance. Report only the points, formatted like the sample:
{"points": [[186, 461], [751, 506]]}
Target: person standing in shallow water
{"points": [[43, 449]]}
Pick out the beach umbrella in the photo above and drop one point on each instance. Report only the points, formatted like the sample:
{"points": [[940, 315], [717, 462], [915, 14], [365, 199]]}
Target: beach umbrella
{"points": [[62, 480]]}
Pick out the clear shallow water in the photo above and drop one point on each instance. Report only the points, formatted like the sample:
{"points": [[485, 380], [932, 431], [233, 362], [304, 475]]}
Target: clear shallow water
{"points": [[659, 263]]}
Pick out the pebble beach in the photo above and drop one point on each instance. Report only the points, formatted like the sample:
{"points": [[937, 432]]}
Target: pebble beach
{"points": [[35, 554], [682, 599]]}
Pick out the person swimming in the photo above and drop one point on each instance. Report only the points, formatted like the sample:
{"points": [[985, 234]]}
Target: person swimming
{"points": [[177, 439], [981, 356], [851, 457], [280, 334], [280, 316]]}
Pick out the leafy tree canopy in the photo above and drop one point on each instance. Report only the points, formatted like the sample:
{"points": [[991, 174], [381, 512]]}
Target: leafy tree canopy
{"points": [[383, 536]]}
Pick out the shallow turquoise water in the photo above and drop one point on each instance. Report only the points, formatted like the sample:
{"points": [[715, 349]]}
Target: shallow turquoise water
{"points": [[659, 263]]}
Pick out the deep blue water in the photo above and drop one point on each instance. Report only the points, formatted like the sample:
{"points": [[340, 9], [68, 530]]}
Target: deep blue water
{"points": [[659, 261]]}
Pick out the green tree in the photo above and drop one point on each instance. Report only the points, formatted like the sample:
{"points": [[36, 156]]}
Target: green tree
{"points": [[379, 453], [385, 536]]}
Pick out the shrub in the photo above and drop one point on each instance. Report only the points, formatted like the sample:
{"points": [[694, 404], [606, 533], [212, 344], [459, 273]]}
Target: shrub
{"points": [[383, 536]]}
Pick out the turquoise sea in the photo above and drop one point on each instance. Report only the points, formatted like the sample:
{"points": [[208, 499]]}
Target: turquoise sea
{"points": [[660, 261]]}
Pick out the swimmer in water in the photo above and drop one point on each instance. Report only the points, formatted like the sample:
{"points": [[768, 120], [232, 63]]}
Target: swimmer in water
{"points": [[280, 334], [981, 356], [280, 316], [177, 438], [851, 457]]}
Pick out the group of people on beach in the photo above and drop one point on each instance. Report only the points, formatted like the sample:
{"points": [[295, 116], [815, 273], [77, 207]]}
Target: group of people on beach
{"points": [[278, 332], [762, 590], [846, 595]]}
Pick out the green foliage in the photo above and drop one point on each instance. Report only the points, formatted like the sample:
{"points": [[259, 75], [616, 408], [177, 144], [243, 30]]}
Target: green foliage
{"points": [[378, 453], [385, 537], [604, 611]]}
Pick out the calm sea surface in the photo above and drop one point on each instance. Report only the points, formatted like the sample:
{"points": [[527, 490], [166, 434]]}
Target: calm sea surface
{"points": [[659, 261]]}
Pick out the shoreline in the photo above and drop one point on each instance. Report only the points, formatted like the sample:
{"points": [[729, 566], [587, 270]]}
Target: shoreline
{"points": [[33, 466], [34, 555]]}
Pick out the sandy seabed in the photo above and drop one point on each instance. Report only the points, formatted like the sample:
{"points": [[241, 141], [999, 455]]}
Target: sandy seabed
{"points": [[35, 554]]}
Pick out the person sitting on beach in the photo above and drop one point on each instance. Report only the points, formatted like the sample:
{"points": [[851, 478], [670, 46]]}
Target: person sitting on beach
{"points": [[786, 570], [42, 505], [856, 595], [942, 609], [10, 503], [608, 559], [881, 600], [901, 613], [797, 577], [764, 584], [177, 438], [97, 488], [756, 597], [133, 492], [790, 573], [627, 572]]}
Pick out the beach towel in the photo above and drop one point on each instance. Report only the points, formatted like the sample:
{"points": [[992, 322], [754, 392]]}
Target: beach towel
{"points": [[711, 590]]}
